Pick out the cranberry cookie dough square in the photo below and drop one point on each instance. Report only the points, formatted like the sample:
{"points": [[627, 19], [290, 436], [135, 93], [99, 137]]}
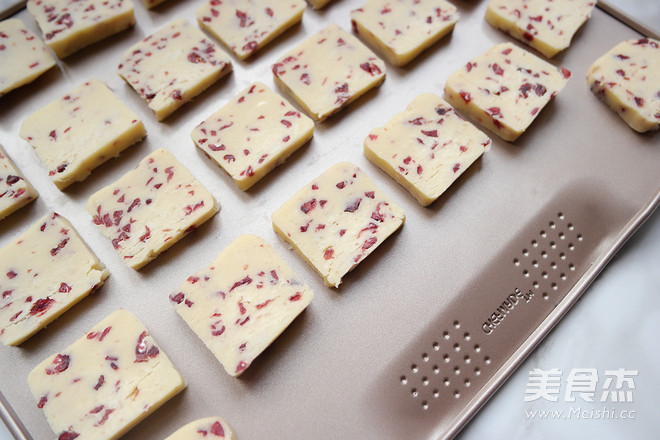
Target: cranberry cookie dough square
{"points": [[204, 429], [245, 26], [401, 29], [252, 134], [337, 220], [151, 208], [172, 66], [546, 25], [505, 89], [43, 273], [70, 25], [80, 131], [15, 191], [24, 56], [106, 382], [328, 71], [627, 79], [242, 302], [426, 148]]}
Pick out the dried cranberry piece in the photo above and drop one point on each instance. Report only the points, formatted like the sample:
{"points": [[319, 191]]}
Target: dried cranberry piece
{"points": [[304, 78], [41, 306], [328, 253], [178, 298], [216, 428], [371, 68], [68, 435], [195, 58], [42, 402], [498, 70], [308, 206], [246, 280], [60, 364], [64, 288], [251, 46], [354, 206], [12, 179], [142, 350]]}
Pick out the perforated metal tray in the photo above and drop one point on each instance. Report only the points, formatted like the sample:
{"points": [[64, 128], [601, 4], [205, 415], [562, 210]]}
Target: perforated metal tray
{"points": [[420, 335]]}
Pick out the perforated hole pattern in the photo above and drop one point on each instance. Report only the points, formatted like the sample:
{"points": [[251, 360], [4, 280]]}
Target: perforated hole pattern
{"points": [[454, 363]]}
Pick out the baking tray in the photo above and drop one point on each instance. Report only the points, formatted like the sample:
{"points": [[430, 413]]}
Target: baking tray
{"points": [[372, 358]]}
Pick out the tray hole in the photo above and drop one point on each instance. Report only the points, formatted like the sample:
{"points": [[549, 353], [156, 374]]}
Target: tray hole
{"points": [[477, 348], [553, 265], [562, 256], [425, 357], [571, 247], [487, 360], [552, 225], [457, 394], [563, 276], [446, 381], [544, 274], [445, 335], [436, 369], [436, 393], [467, 359], [457, 347], [436, 346], [535, 263], [457, 325], [536, 284], [425, 405], [543, 234], [425, 381], [457, 370], [414, 392], [466, 336], [553, 245], [545, 295], [544, 254], [570, 226], [516, 262], [525, 252], [562, 236], [571, 266], [579, 237], [526, 272], [404, 380], [446, 358], [554, 286], [535, 243], [560, 215], [477, 371], [414, 368], [467, 382]]}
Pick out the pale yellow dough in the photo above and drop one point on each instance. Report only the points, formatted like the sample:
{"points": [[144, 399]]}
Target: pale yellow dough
{"points": [[401, 29], [252, 134], [172, 66], [426, 148], [43, 273], [24, 56], [337, 220], [505, 89], [151, 208], [15, 190], [245, 26], [328, 71], [80, 131], [546, 25], [70, 25], [208, 428], [106, 382], [242, 302], [627, 78]]}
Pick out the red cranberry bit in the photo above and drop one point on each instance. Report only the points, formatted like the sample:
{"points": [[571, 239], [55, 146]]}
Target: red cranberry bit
{"points": [[100, 382], [621, 72], [229, 157], [217, 332], [498, 70], [178, 298], [60, 246], [525, 89], [639, 101], [370, 194], [214, 147], [243, 17], [53, 134], [64, 288], [11, 274], [353, 206], [304, 78], [566, 73], [42, 402], [246, 280], [241, 367], [105, 333], [507, 51], [195, 58], [6, 294], [286, 123], [263, 304], [537, 18], [176, 95], [60, 364], [371, 68], [142, 350], [251, 46], [41, 306], [417, 121], [456, 167], [328, 253], [216, 428], [466, 97], [430, 133], [308, 206], [495, 111], [170, 173], [622, 56], [269, 12], [295, 297], [369, 242], [420, 170], [68, 435], [12, 179], [540, 90], [134, 204], [527, 36]]}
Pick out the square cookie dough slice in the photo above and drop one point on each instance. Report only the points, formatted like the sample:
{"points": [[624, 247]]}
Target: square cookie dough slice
{"points": [[337, 220], [43, 273], [70, 25], [505, 89], [151, 208], [24, 56], [172, 66], [245, 26], [80, 131], [206, 428], [546, 25], [401, 29], [328, 71], [252, 134], [627, 79], [15, 191], [242, 302], [426, 148], [106, 382]]}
